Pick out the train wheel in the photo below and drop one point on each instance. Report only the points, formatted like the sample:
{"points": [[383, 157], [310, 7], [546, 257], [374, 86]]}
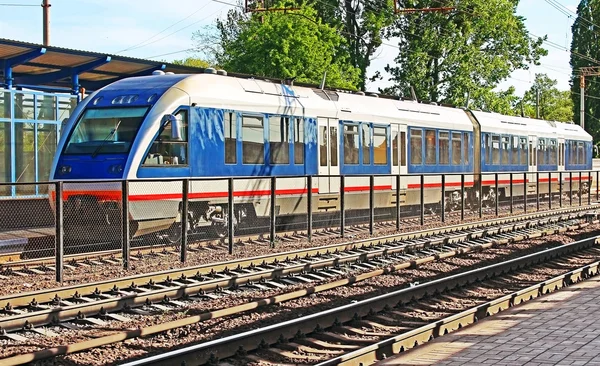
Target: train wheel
{"points": [[174, 233]]}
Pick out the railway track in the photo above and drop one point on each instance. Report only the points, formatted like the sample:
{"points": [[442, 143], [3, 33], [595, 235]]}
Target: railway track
{"points": [[83, 305], [374, 329]]}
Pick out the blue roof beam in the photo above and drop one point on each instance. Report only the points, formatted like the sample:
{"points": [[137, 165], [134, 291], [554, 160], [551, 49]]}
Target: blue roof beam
{"points": [[68, 72], [9, 63]]}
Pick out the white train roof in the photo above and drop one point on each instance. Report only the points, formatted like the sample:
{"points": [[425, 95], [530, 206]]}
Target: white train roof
{"points": [[572, 131], [499, 123]]}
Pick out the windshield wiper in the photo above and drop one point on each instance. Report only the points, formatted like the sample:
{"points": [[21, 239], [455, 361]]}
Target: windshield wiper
{"points": [[110, 134]]}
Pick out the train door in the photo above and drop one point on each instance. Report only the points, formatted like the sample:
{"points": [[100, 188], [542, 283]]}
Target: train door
{"points": [[532, 153], [399, 149], [561, 154], [328, 155]]}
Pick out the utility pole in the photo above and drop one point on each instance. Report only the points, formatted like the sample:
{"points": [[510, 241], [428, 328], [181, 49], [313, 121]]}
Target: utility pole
{"points": [[583, 72], [537, 103], [46, 10]]}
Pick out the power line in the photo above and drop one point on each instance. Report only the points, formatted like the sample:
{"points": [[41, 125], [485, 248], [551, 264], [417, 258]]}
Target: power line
{"points": [[12, 4]]}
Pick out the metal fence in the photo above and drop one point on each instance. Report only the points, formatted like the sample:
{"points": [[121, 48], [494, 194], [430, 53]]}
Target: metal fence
{"points": [[122, 216]]}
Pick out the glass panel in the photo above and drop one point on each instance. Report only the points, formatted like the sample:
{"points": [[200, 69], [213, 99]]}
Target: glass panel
{"points": [[323, 146], [416, 146], [166, 151], [466, 147], [299, 141], [515, 150], [403, 148], [430, 145], [333, 145], [444, 148], [395, 147], [505, 150], [279, 137], [350, 144], [580, 153], [572, 153], [25, 157], [488, 147], [456, 148], [46, 107], [523, 151], [253, 141], [380, 145], [495, 150], [5, 157], [552, 152], [46, 147], [66, 106], [366, 144], [541, 154], [230, 122], [5, 105], [24, 105]]}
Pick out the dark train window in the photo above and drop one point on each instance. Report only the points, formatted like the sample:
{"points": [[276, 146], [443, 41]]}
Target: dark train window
{"points": [[230, 137], [298, 141], [456, 148], [380, 146], [561, 153], [523, 141], [165, 151], [552, 152], [366, 144], [488, 149], [505, 149], [495, 149], [416, 146], [395, 148], [279, 140], [541, 153], [333, 146], [515, 150], [403, 148], [430, 147], [466, 148], [444, 147], [253, 141], [323, 146], [350, 144], [580, 153]]}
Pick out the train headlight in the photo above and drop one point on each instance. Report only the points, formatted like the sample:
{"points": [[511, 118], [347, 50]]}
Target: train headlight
{"points": [[116, 169], [65, 169]]}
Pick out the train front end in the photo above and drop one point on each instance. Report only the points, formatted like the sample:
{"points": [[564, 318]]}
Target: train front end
{"points": [[101, 145]]}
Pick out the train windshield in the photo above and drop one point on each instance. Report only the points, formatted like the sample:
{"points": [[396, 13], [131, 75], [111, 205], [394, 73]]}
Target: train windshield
{"points": [[105, 131]]}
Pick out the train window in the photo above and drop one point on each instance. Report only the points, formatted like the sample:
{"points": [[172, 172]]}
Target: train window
{"points": [[416, 146], [456, 148], [279, 137], [541, 153], [580, 153], [299, 141], [552, 152], [495, 149], [561, 154], [165, 151], [229, 120], [333, 146], [403, 148], [253, 141], [395, 148], [323, 146], [350, 144], [572, 153], [515, 150], [488, 149], [505, 149], [531, 154], [366, 143], [430, 146], [380, 146], [466, 147], [444, 138], [523, 150]]}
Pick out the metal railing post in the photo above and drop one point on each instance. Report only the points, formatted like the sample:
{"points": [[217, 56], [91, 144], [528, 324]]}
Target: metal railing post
{"points": [[598, 185], [125, 224], [511, 192], [443, 198], [496, 193], [398, 202], [185, 185], [570, 188], [371, 204], [579, 193], [230, 214], [272, 210], [462, 197], [59, 238], [422, 199], [342, 205], [525, 186], [537, 191], [560, 189], [309, 212], [480, 195], [589, 184], [550, 191]]}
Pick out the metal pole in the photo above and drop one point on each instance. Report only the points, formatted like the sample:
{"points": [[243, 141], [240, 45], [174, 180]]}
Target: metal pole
{"points": [[570, 188], [46, 17], [422, 199], [272, 210], [462, 197], [550, 191], [496, 192], [579, 193], [525, 186], [230, 215], [537, 191], [443, 198], [342, 205], [371, 204], [480, 195], [598, 185], [589, 180], [309, 213], [511, 193], [185, 195], [537, 103], [582, 101], [560, 189], [59, 239], [398, 202], [125, 224]]}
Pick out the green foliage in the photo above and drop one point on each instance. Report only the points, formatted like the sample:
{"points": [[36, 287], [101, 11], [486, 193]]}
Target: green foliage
{"points": [[281, 45], [554, 104], [192, 61], [585, 49], [446, 56]]}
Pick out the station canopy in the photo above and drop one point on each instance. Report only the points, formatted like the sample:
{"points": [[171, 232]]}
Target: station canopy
{"points": [[35, 66]]}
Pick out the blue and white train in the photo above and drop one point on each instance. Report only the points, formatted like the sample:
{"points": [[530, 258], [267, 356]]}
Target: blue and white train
{"points": [[214, 125]]}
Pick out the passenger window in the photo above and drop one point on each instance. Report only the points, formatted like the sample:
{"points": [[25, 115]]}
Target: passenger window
{"points": [[488, 149], [515, 150], [430, 145], [505, 150], [279, 137], [552, 152], [466, 148], [229, 121], [444, 148], [523, 151], [403, 148], [323, 146], [395, 148], [333, 145], [541, 154], [350, 144], [366, 144], [299, 141], [380, 146], [416, 146], [253, 141], [580, 153], [456, 148], [166, 151], [496, 150]]}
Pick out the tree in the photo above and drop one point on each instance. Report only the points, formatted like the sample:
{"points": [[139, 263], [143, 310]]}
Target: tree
{"points": [[585, 51], [294, 44], [192, 61], [446, 56], [554, 104]]}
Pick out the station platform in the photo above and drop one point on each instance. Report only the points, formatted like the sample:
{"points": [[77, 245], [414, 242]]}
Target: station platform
{"points": [[561, 328], [17, 241]]}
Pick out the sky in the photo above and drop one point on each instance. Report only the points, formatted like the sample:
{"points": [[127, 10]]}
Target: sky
{"points": [[162, 30]]}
